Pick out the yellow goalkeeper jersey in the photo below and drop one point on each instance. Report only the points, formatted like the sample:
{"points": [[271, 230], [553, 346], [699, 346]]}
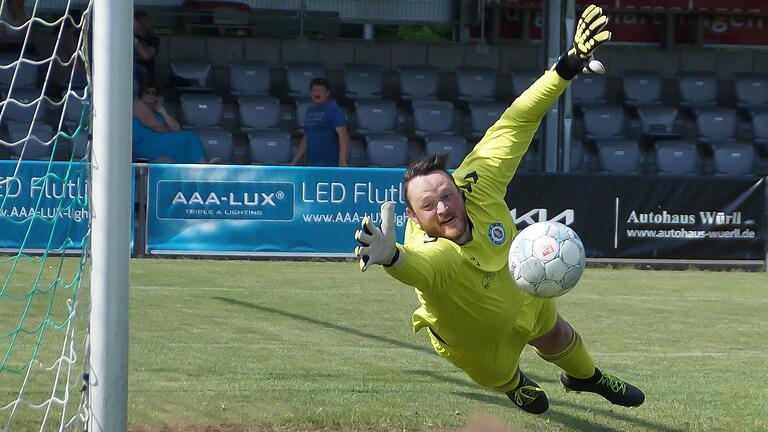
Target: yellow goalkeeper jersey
{"points": [[466, 292]]}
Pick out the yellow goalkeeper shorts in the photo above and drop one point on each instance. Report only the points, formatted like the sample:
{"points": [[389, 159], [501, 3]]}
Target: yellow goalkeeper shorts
{"points": [[495, 363]]}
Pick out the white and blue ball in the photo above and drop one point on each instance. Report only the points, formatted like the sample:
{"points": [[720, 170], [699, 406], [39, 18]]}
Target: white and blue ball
{"points": [[546, 259]]}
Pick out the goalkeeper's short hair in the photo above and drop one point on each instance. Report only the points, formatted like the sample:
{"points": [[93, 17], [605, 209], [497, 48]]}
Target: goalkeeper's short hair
{"points": [[424, 166]]}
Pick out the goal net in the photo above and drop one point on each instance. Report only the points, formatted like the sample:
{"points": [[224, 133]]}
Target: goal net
{"points": [[44, 215]]}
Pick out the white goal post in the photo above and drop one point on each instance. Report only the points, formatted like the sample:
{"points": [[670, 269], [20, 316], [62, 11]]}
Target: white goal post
{"points": [[111, 214]]}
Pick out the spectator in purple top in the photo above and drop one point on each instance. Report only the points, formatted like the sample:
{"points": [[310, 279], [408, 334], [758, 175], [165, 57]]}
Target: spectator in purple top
{"points": [[325, 139]]}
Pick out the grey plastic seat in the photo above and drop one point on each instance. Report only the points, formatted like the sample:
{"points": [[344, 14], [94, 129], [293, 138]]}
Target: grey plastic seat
{"points": [[217, 143], [484, 115], [476, 83], [21, 109], [432, 117], [363, 81], [522, 79], [80, 145], [300, 112], [716, 125], [199, 72], [676, 157], [299, 74], [660, 121], [387, 150], [249, 78], [577, 155], [269, 147], [619, 157], [455, 147], [259, 112], [375, 116], [751, 92], [589, 90], [418, 82], [603, 121], [697, 89], [734, 159], [74, 106], [31, 143], [26, 77], [760, 129], [201, 110], [641, 87]]}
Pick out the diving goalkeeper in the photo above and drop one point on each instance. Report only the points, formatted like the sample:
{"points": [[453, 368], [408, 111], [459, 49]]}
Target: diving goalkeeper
{"points": [[456, 247]]}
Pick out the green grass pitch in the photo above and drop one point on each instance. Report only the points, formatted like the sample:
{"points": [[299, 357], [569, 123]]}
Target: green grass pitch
{"points": [[319, 345]]}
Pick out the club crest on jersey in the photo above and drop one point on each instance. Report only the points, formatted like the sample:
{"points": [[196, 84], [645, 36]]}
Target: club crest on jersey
{"points": [[496, 233]]}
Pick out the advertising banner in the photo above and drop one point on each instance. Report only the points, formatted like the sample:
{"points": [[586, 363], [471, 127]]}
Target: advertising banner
{"points": [[44, 206], [738, 22], [649, 217], [253, 210], [41, 211]]}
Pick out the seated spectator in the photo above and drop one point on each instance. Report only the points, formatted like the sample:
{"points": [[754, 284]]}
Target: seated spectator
{"points": [[13, 13], [157, 136], [325, 137], [145, 46]]}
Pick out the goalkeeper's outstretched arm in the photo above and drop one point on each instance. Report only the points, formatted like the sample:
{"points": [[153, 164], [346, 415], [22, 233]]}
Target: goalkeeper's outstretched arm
{"points": [[504, 144], [426, 268]]}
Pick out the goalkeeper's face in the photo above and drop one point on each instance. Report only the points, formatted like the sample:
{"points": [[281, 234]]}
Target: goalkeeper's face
{"points": [[438, 207]]}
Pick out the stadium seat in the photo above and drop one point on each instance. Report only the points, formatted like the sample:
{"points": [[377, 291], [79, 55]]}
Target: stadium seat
{"points": [[751, 92], [418, 82], [198, 72], [73, 107], [641, 88], [21, 109], [522, 79], [734, 159], [590, 90], [483, 115], [760, 129], [432, 117], [676, 157], [217, 143], [603, 122], [33, 145], [299, 74], [476, 84], [577, 155], [454, 147], [300, 113], [201, 110], [363, 81], [259, 112], [26, 77], [387, 151], [660, 121], [697, 89], [269, 147], [619, 157], [716, 125], [375, 116], [249, 78]]}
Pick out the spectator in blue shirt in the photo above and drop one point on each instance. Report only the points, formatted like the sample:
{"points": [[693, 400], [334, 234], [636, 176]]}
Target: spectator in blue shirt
{"points": [[325, 139]]}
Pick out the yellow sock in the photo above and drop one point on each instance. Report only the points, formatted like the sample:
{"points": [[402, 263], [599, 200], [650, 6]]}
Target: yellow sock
{"points": [[510, 385], [573, 359]]}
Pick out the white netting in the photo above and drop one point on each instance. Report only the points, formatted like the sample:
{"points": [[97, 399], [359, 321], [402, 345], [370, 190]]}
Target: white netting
{"points": [[44, 232]]}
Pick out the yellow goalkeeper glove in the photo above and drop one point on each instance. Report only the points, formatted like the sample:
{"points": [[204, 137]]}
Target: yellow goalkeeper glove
{"points": [[590, 34]]}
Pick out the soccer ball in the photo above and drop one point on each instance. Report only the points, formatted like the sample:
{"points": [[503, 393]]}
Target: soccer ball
{"points": [[546, 259]]}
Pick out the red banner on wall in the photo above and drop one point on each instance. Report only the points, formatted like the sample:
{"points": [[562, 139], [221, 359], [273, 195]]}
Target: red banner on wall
{"points": [[736, 22]]}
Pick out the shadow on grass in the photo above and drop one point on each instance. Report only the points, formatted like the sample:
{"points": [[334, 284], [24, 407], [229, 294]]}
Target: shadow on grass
{"points": [[325, 324], [463, 382], [577, 423]]}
